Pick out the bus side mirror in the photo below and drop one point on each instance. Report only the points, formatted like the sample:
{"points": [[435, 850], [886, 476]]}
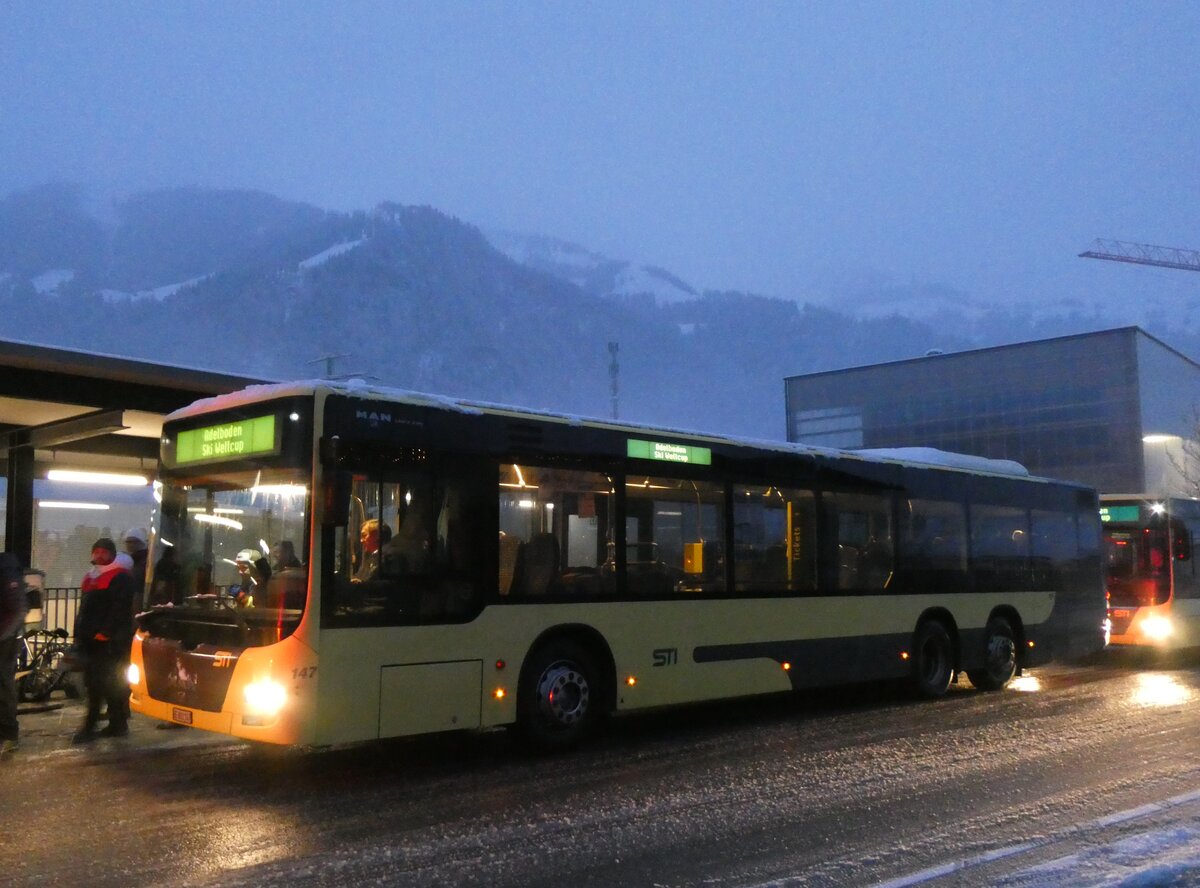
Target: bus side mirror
{"points": [[336, 496]]}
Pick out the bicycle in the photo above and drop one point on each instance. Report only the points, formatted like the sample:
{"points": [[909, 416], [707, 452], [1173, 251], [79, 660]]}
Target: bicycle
{"points": [[40, 667]]}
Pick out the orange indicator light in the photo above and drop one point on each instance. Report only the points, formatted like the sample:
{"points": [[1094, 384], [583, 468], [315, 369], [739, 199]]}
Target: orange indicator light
{"points": [[1031, 644], [904, 655], [787, 666], [500, 693], [631, 680]]}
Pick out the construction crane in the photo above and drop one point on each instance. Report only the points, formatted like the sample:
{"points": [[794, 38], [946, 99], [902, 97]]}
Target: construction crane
{"points": [[1143, 254]]}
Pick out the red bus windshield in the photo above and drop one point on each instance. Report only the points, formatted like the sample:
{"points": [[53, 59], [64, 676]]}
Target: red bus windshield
{"points": [[1137, 566]]}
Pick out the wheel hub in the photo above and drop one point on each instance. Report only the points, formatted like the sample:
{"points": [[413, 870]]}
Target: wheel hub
{"points": [[1002, 653], [563, 694]]}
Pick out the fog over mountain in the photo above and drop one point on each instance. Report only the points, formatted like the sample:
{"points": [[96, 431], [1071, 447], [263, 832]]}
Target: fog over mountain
{"points": [[245, 282]]}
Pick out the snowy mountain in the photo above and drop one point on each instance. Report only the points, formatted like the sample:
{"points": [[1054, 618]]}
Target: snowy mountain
{"points": [[246, 282], [593, 272]]}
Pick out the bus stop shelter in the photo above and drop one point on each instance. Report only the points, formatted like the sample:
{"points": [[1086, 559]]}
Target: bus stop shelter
{"points": [[74, 411]]}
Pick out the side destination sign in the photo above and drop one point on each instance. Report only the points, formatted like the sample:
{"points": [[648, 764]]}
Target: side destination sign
{"points": [[678, 453], [229, 440]]}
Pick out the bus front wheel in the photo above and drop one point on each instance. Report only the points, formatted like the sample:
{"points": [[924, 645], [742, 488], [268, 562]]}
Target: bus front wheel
{"points": [[1000, 658], [560, 699], [933, 660]]}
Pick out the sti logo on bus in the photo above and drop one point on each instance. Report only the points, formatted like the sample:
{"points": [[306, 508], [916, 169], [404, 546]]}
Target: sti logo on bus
{"points": [[666, 656]]}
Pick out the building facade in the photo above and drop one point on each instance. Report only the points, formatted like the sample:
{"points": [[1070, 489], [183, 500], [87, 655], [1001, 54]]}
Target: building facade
{"points": [[1111, 409]]}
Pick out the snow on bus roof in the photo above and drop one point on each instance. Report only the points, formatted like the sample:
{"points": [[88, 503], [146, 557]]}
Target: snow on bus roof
{"points": [[947, 459], [299, 387], [919, 456]]}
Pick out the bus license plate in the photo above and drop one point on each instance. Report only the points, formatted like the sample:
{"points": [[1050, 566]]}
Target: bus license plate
{"points": [[183, 716], [1121, 614]]}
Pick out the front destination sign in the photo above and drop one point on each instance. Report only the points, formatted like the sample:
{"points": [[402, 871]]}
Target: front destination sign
{"points": [[678, 453], [228, 440]]}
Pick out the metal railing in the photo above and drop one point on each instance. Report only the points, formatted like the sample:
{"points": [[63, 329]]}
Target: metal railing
{"points": [[59, 606]]}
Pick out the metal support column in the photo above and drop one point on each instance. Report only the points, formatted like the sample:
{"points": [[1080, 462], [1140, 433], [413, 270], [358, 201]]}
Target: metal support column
{"points": [[18, 532]]}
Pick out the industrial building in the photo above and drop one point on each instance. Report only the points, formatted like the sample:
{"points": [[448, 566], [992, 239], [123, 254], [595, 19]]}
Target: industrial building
{"points": [[1111, 409]]}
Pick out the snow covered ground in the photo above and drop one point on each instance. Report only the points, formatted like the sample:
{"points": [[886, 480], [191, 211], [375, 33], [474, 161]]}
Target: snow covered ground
{"points": [[1150, 846]]}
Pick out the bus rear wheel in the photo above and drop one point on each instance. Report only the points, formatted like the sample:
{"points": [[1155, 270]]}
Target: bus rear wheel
{"points": [[560, 698], [1000, 658], [933, 660]]}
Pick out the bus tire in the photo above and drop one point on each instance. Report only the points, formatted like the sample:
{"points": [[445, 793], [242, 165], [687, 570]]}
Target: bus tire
{"points": [[1000, 657], [560, 699], [932, 660]]}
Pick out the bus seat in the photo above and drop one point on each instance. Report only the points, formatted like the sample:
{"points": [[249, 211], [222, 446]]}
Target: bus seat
{"points": [[537, 566], [510, 550]]}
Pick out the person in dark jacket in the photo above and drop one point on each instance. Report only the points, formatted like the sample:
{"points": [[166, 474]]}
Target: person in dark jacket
{"points": [[103, 634], [135, 548], [13, 604]]}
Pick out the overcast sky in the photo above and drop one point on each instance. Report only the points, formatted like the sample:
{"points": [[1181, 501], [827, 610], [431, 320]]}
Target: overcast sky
{"points": [[781, 148]]}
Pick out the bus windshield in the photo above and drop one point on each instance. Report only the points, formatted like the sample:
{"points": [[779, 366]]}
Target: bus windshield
{"points": [[230, 568], [1138, 566]]}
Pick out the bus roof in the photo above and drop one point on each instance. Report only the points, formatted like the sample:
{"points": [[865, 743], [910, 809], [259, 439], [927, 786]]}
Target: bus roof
{"points": [[913, 456]]}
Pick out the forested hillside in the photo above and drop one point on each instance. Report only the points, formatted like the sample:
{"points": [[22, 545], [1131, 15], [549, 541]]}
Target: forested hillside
{"points": [[248, 283]]}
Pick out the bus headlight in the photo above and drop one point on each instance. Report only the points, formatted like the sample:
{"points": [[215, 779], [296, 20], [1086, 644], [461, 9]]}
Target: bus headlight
{"points": [[133, 675], [265, 698], [1157, 628]]}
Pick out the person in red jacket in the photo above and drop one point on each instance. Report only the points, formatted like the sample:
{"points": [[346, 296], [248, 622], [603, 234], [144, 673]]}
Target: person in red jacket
{"points": [[103, 633]]}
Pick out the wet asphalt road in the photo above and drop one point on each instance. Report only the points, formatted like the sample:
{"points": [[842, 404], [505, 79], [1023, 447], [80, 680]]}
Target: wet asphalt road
{"points": [[839, 788]]}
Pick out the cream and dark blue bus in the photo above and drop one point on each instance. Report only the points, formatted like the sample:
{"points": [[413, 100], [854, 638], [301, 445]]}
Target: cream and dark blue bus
{"points": [[337, 562]]}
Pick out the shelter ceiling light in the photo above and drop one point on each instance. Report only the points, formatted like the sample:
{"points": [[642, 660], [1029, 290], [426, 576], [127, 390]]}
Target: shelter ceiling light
{"points": [[218, 519], [64, 504], [74, 476]]}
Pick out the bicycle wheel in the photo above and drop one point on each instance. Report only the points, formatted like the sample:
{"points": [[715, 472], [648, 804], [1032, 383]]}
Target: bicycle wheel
{"points": [[37, 685]]}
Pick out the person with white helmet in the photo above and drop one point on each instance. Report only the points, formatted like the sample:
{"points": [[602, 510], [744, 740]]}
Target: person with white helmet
{"points": [[253, 572]]}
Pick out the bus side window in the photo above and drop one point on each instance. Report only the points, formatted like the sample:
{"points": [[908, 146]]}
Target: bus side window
{"points": [[933, 545], [1000, 548], [774, 540], [677, 544], [862, 524], [407, 554], [555, 526], [1055, 548]]}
